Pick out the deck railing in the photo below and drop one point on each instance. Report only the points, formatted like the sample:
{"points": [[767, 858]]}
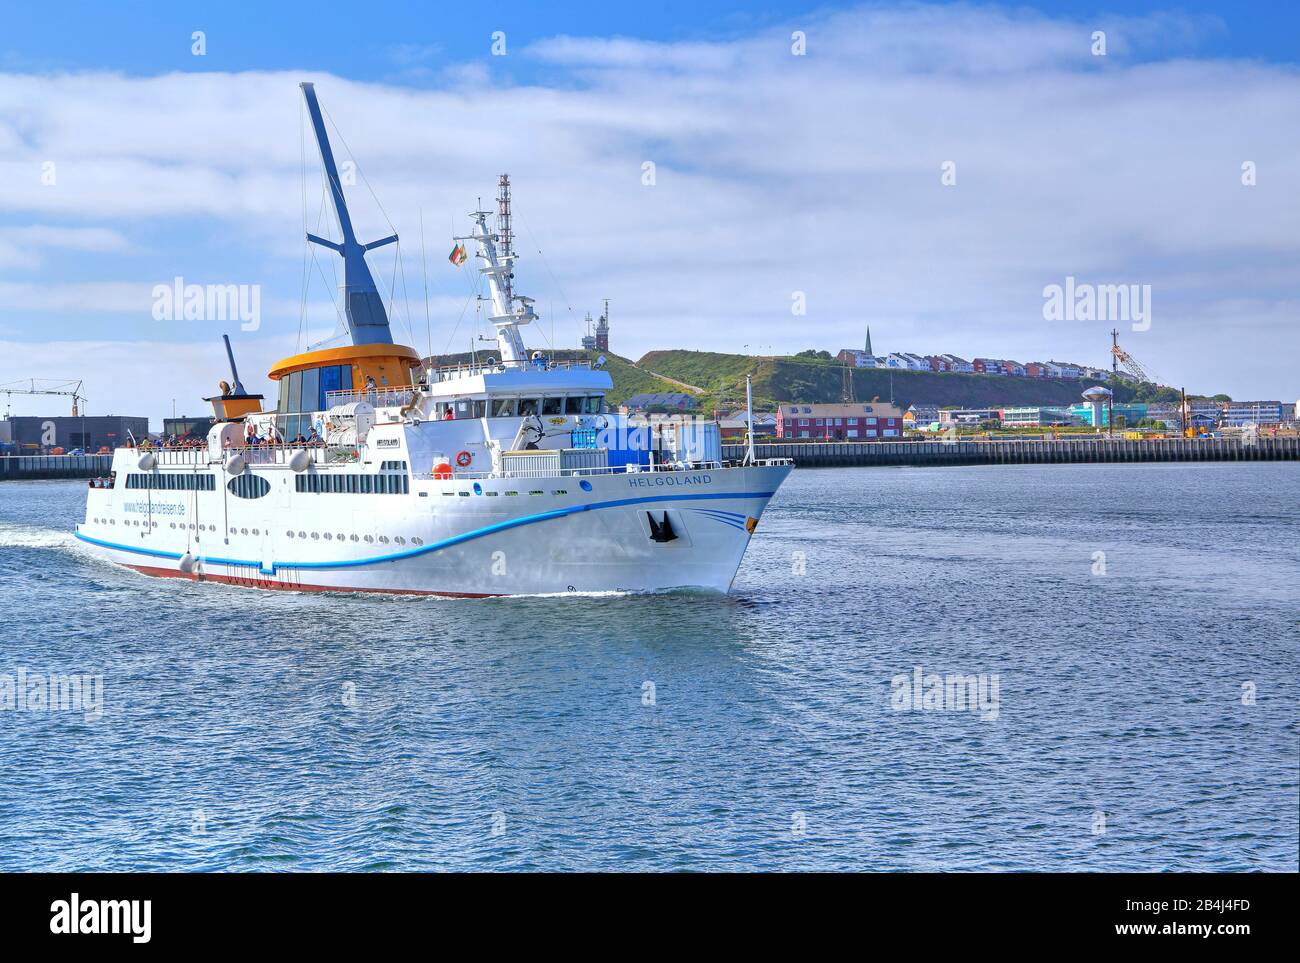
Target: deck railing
{"points": [[387, 396], [473, 369]]}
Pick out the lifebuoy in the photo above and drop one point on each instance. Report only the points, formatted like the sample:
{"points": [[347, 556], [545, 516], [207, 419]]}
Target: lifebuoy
{"points": [[463, 458]]}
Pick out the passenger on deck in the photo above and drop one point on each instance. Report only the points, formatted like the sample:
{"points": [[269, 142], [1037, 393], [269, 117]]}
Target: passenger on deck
{"points": [[312, 437]]}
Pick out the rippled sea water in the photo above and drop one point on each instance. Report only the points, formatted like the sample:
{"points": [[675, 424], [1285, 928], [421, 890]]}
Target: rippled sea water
{"points": [[671, 732]]}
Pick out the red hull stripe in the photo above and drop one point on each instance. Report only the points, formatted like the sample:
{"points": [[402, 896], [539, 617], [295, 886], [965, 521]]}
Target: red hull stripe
{"points": [[266, 584]]}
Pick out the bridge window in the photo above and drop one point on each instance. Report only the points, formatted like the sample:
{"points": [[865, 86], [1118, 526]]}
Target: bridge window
{"points": [[552, 406], [504, 407], [574, 406]]}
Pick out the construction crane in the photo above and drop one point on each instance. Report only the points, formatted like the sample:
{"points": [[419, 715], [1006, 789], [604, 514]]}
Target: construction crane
{"points": [[45, 386], [1120, 357]]}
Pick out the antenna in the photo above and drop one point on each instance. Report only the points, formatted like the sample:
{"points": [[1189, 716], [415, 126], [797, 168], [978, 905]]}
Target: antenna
{"points": [[505, 236]]}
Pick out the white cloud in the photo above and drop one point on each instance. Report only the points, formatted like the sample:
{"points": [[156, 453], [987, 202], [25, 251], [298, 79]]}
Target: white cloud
{"points": [[775, 173]]}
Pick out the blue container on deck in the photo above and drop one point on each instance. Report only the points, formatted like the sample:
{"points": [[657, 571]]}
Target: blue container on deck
{"points": [[622, 457]]}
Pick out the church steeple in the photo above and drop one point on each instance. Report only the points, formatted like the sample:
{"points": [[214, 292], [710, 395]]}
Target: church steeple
{"points": [[869, 354]]}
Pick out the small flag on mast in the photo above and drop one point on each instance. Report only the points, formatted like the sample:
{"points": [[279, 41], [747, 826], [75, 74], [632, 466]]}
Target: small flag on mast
{"points": [[458, 255]]}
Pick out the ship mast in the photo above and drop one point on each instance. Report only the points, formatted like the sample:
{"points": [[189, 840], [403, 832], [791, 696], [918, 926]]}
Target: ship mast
{"points": [[362, 304], [509, 310]]}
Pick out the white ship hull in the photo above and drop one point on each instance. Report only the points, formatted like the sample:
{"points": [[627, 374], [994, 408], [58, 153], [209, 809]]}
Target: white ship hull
{"points": [[501, 536]]}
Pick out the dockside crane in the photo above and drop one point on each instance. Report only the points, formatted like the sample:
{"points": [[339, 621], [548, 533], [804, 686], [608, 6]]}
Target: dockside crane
{"points": [[1119, 357], [45, 386]]}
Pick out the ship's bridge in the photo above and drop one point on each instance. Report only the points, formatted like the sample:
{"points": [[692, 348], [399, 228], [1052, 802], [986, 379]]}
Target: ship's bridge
{"points": [[533, 378], [309, 381]]}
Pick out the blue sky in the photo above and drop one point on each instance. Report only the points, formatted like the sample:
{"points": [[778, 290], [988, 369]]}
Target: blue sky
{"points": [[367, 41], [776, 175]]}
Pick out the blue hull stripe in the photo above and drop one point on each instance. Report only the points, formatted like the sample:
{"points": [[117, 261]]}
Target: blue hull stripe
{"points": [[436, 546]]}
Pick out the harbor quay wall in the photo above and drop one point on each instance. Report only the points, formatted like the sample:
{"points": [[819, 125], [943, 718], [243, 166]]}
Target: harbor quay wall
{"points": [[1023, 451], [36, 467]]}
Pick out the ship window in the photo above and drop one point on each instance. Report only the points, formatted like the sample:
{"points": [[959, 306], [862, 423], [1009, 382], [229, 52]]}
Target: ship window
{"points": [[552, 406], [367, 484], [537, 491], [480, 409], [291, 390], [594, 404], [574, 406], [400, 540], [248, 486], [417, 541], [529, 406], [504, 407], [512, 493], [330, 380], [310, 390]]}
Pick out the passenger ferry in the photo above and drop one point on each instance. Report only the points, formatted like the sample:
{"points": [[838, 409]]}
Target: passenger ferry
{"points": [[376, 472]]}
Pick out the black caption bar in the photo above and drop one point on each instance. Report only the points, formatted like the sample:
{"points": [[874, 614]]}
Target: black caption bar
{"points": [[136, 913]]}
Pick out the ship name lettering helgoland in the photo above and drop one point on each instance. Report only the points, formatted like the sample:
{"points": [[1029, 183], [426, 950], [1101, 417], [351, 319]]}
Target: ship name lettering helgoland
{"points": [[651, 481]]}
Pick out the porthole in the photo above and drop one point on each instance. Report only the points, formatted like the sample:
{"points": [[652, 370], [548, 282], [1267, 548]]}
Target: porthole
{"points": [[354, 538], [417, 541], [328, 536], [340, 537], [256, 532], [370, 538], [302, 534], [315, 535], [243, 531], [289, 534], [400, 540], [383, 539]]}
